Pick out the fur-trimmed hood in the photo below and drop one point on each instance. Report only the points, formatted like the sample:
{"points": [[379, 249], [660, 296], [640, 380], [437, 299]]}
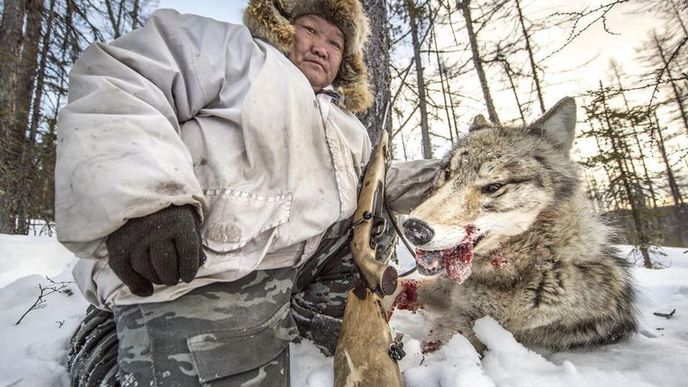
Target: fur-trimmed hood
{"points": [[272, 20]]}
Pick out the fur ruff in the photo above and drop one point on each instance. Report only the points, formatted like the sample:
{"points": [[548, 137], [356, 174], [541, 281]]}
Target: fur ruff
{"points": [[272, 21]]}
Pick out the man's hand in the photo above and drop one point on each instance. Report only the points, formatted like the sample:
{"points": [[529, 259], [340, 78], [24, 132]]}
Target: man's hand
{"points": [[160, 248]]}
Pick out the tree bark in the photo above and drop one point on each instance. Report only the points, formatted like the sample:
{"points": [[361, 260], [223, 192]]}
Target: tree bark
{"points": [[377, 61], [10, 51], [25, 90]]}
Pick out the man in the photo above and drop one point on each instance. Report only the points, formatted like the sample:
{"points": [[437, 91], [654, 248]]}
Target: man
{"points": [[206, 173]]}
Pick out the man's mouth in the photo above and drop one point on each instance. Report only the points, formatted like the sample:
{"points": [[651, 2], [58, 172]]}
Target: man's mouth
{"points": [[322, 66], [455, 260]]}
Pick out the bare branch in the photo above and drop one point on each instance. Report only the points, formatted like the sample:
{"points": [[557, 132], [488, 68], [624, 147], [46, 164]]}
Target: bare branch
{"points": [[40, 302], [577, 18]]}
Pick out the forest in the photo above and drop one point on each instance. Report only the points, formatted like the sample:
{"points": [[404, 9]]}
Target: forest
{"points": [[436, 64]]}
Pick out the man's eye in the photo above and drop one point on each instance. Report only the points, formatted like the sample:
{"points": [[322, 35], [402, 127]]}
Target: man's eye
{"points": [[491, 188], [336, 45], [310, 29]]}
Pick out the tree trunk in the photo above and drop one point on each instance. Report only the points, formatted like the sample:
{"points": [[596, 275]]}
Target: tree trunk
{"points": [[135, 15], [25, 90], [28, 183], [440, 66], [377, 61], [453, 108], [465, 7], [533, 65], [507, 70], [420, 79], [10, 51]]}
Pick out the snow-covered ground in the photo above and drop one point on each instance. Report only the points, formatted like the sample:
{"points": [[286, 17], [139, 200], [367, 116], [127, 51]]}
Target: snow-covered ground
{"points": [[32, 352]]}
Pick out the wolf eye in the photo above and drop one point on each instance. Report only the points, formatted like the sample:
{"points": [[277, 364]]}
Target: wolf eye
{"points": [[491, 188]]}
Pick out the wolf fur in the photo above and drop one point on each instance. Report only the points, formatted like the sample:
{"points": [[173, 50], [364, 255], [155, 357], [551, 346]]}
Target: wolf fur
{"points": [[543, 265]]}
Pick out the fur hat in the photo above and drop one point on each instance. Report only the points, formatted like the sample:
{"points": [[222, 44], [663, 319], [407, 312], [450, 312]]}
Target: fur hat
{"points": [[273, 21]]}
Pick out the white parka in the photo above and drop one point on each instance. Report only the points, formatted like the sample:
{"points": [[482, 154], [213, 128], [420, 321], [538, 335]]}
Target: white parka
{"points": [[189, 110]]}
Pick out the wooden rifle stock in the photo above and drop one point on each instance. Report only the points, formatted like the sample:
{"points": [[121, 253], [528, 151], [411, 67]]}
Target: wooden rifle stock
{"points": [[362, 357]]}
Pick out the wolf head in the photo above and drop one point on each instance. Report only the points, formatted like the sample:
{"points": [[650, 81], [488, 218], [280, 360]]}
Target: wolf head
{"points": [[496, 182]]}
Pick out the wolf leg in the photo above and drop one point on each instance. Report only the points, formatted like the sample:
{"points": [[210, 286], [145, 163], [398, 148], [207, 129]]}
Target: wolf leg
{"points": [[446, 327], [436, 293]]}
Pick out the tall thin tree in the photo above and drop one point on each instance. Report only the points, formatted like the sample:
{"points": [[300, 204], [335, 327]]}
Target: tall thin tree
{"points": [[465, 7]]}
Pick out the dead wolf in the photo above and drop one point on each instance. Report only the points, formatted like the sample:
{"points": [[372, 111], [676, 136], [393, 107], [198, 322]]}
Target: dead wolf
{"points": [[511, 234]]}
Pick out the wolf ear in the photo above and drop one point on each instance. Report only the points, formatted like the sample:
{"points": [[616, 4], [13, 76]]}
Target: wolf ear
{"points": [[479, 122], [558, 124]]}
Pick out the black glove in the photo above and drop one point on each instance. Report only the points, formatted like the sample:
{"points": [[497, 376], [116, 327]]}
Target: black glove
{"points": [[159, 248]]}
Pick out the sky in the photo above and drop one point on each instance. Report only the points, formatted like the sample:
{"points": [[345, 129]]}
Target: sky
{"points": [[223, 10]]}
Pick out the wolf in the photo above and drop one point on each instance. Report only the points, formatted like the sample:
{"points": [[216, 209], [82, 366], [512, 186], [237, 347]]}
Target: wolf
{"points": [[509, 233]]}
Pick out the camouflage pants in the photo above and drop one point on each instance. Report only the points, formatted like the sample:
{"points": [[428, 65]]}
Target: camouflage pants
{"points": [[225, 334]]}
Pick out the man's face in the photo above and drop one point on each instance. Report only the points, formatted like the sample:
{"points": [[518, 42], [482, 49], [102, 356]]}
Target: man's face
{"points": [[317, 50]]}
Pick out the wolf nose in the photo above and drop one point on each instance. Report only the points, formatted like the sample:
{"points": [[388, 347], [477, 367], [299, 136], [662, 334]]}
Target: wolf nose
{"points": [[418, 232]]}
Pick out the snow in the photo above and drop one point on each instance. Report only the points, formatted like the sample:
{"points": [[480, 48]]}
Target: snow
{"points": [[32, 352]]}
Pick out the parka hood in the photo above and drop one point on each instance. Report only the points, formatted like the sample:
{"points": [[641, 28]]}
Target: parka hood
{"points": [[272, 21]]}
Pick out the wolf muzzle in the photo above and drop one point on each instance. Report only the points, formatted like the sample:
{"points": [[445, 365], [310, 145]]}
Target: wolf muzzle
{"points": [[418, 232]]}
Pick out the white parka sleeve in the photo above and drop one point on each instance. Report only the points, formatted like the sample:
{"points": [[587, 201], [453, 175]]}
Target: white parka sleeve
{"points": [[408, 183], [119, 153]]}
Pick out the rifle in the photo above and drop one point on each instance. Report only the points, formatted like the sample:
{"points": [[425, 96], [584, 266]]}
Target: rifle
{"points": [[364, 350]]}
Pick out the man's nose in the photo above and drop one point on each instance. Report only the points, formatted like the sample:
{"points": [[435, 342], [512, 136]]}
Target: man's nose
{"points": [[319, 50]]}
